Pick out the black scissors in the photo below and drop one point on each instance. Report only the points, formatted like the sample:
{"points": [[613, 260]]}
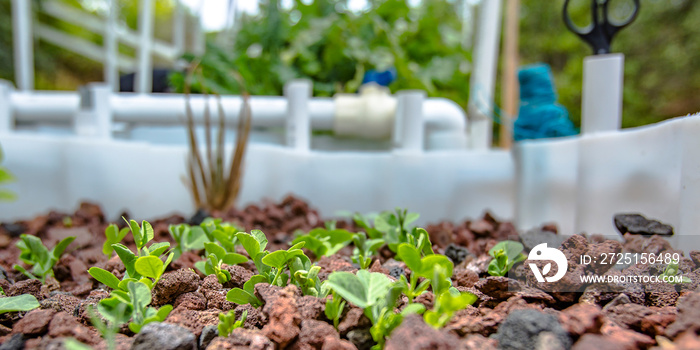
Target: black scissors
{"points": [[601, 31]]}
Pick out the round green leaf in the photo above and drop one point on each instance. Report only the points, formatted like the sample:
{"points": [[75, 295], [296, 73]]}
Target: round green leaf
{"points": [[149, 266]]}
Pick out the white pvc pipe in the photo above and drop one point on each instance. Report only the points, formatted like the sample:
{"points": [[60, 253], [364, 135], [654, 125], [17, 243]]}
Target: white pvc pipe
{"points": [[22, 43], [409, 117], [144, 77], [298, 123], [439, 114], [179, 28], [111, 70], [483, 79], [601, 103]]}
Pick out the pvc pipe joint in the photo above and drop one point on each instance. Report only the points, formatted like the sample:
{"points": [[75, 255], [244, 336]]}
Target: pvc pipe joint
{"points": [[369, 114]]}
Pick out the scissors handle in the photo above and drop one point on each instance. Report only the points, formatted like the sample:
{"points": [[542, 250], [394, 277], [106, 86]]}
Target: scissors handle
{"points": [[601, 31]]}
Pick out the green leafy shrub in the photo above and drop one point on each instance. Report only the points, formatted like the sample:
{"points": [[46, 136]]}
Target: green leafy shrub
{"points": [[376, 295], [34, 253], [24, 302], [505, 254], [145, 266], [228, 322]]}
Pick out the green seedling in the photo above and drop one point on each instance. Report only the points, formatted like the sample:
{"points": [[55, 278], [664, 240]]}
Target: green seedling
{"points": [[671, 272], [114, 235], [74, 344], [107, 328], [24, 302], [435, 268], [34, 253], [446, 304], [254, 244], [5, 177], [505, 254], [305, 275], [216, 257], [223, 233], [365, 249], [132, 306], [325, 241], [376, 295], [228, 322], [395, 228], [334, 308], [146, 265], [186, 238]]}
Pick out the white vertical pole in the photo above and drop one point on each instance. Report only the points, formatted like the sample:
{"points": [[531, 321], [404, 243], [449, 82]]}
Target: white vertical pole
{"points": [[483, 79], [409, 120], [179, 28], [601, 103], [23, 46], [7, 121], [298, 130], [111, 67], [145, 73], [94, 119]]}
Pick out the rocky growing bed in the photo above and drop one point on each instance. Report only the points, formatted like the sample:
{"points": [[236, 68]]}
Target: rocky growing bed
{"points": [[507, 312]]}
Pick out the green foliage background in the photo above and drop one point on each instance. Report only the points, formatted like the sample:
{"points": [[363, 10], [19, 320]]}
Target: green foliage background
{"points": [[334, 47]]}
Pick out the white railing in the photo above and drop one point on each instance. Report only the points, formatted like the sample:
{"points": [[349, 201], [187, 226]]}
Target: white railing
{"points": [[113, 33]]}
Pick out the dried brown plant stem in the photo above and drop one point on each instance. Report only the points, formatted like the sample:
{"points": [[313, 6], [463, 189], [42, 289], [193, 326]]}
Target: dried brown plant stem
{"points": [[212, 186]]}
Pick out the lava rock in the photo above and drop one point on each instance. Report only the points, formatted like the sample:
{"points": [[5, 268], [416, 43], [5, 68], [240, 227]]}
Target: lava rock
{"points": [[14, 229], [16, 342], [397, 271], [361, 338], [688, 315], [35, 323], [456, 253], [208, 334], [164, 336], [521, 330], [198, 217], [537, 236], [639, 225], [415, 334], [173, 284]]}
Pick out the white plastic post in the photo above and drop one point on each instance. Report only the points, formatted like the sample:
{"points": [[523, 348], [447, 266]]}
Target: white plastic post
{"points": [[602, 93], [409, 121], [298, 123], [483, 78], [7, 122], [111, 70], [22, 43], [144, 77], [95, 116], [179, 28]]}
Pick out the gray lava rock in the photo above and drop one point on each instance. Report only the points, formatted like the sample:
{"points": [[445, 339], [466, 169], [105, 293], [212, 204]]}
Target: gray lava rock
{"points": [[456, 253], [362, 338], [637, 224], [537, 236], [16, 342], [522, 330], [164, 336], [208, 334]]}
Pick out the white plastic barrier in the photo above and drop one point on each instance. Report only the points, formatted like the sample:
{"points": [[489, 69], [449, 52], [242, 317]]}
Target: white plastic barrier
{"points": [[582, 182], [145, 179]]}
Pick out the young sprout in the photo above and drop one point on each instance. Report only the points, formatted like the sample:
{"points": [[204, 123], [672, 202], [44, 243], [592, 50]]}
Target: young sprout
{"points": [[505, 254], [34, 253], [672, 275]]}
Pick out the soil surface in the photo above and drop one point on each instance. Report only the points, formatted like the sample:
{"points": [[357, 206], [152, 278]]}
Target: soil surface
{"points": [[513, 312]]}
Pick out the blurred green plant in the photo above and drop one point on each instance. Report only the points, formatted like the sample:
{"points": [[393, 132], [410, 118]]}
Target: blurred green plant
{"points": [[5, 177], [334, 47]]}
